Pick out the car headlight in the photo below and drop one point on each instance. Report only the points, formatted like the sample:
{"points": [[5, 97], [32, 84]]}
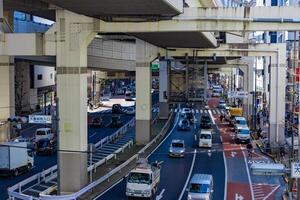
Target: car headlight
{"points": [[171, 150], [146, 192]]}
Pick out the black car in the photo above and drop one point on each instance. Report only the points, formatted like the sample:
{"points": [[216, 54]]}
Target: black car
{"points": [[116, 122], [116, 109], [96, 122], [205, 122], [46, 147], [184, 125]]}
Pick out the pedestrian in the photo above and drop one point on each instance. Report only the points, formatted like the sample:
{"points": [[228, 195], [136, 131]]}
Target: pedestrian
{"points": [[259, 131], [249, 149]]}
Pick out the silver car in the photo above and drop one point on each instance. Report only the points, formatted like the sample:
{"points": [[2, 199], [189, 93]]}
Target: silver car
{"points": [[177, 148]]}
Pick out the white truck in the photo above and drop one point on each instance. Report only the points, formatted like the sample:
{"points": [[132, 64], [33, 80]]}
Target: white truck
{"points": [[143, 180], [15, 158]]}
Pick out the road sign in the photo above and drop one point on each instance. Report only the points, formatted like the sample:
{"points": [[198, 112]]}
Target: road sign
{"points": [[295, 170], [237, 94], [40, 119]]}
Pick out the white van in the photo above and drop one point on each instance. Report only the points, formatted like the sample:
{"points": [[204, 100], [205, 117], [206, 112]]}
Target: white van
{"points": [[205, 138], [43, 133], [200, 187]]}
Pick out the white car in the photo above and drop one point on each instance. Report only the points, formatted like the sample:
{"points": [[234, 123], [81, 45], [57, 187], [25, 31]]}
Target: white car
{"points": [[205, 138], [177, 148]]}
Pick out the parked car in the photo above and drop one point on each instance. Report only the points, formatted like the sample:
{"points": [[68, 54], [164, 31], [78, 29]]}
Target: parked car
{"points": [[117, 109], [116, 121], [130, 111], [184, 125], [96, 122], [177, 148], [46, 147]]}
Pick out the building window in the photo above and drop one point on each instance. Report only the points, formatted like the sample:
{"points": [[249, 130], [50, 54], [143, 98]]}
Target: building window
{"points": [[51, 76], [39, 76]]}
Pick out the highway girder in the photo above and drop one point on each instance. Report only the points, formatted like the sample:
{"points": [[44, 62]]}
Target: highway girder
{"points": [[283, 18]]}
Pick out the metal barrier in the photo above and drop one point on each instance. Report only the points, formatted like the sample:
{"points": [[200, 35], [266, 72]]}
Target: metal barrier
{"points": [[51, 173], [92, 185]]}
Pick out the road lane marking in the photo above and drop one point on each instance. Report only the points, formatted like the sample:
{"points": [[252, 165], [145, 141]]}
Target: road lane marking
{"points": [[189, 176], [225, 185], [248, 174], [92, 135], [211, 116], [271, 192], [160, 196], [175, 124]]}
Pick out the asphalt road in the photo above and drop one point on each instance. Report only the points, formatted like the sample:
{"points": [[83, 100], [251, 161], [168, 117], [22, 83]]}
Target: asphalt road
{"points": [[175, 171], [45, 162]]}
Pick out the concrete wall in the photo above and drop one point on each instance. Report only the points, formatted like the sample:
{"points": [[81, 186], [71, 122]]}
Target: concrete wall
{"points": [[48, 76]]}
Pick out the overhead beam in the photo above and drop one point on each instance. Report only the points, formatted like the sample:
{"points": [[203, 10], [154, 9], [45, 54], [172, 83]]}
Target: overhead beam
{"points": [[285, 18]]}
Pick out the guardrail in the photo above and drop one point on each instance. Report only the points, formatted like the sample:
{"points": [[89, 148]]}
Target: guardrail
{"points": [[16, 190], [94, 184]]}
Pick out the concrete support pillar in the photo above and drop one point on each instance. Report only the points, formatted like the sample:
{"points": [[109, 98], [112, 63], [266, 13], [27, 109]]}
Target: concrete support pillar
{"points": [[7, 87], [71, 60], [163, 90], [1, 9], [248, 86], [266, 79], [205, 82], [145, 54], [277, 98]]}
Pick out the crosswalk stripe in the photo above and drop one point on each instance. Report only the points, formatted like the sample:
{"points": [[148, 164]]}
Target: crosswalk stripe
{"points": [[201, 111], [193, 111], [197, 111]]}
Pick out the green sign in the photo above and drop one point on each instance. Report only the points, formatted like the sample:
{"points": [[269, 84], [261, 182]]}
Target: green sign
{"points": [[154, 66]]}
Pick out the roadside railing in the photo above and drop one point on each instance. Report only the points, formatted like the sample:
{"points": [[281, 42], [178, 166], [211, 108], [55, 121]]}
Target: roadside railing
{"points": [[51, 173], [118, 169]]}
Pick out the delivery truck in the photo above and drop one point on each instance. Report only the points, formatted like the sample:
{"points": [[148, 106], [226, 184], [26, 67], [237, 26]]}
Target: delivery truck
{"points": [[143, 180], [15, 158]]}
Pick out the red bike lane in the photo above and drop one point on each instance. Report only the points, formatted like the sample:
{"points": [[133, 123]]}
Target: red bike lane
{"points": [[238, 181]]}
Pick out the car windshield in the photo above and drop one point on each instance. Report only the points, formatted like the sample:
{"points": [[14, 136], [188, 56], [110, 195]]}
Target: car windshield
{"points": [[141, 178], [41, 133], [205, 136], [243, 131], [242, 122], [177, 144], [199, 188], [205, 119], [185, 122]]}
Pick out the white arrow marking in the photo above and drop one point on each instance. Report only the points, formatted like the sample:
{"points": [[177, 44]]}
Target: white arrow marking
{"points": [[233, 154], [160, 196], [239, 197]]}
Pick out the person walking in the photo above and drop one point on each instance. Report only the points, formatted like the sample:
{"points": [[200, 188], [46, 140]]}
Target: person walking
{"points": [[249, 149]]}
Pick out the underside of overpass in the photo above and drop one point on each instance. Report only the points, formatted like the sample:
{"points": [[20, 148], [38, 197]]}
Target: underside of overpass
{"points": [[69, 38]]}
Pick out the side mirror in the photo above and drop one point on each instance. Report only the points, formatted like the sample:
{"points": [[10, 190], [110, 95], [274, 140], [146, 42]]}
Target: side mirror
{"points": [[212, 191]]}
